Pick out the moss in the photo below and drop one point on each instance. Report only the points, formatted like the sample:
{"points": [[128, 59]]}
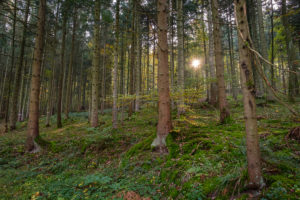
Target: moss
{"points": [[140, 147], [171, 145]]}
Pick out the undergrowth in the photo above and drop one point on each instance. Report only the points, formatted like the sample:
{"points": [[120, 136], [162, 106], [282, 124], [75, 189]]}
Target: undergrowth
{"points": [[206, 159]]}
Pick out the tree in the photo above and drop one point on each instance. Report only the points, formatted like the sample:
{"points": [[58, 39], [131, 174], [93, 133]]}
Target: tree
{"points": [[61, 70], [291, 53], [96, 63], [164, 101], [115, 70], [132, 55], [18, 73], [33, 121], [264, 48], [180, 35], [50, 98], [219, 60], [248, 88], [211, 63], [12, 65], [70, 69]]}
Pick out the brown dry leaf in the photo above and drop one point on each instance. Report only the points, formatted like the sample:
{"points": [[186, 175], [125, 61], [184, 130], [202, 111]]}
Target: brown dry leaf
{"points": [[130, 195]]}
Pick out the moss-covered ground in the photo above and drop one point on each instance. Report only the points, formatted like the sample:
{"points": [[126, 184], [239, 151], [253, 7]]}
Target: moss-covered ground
{"points": [[206, 160]]}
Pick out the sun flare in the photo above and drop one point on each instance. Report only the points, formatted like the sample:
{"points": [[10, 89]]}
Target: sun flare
{"points": [[196, 63]]}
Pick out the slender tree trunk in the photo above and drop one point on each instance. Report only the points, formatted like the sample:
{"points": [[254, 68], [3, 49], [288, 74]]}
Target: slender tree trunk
{"points": [[164, 102], [252, 16], [232, 65], [21, 95], [61, 71], [283, 76], [115, 70], [11, 67], [138, 64], [70, 70], [291, 54], [264, 48], [206, 70], [95, 69], [248, 88], [211, 62], [272, 47], [18, 72], [33, 122], [132, 54], [180, 35], [148, 56], [103, 80], [3, 98], [172, 57], [153, 62], [50, 97], [219, 60], [25, 101]]}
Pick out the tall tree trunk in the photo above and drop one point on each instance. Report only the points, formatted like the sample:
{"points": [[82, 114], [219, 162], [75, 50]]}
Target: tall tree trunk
{"points": [[115, 70], [61, 70], [283, 75], [206, 69], [11, 67], [219, 60], [231, 55], [103, 80], [96, 64], [252, 16], [138, 64], [132, 54], [153, 62], [164, 101], [264, 48], [248, 88], [18, 72], [172, 56], [50, 97], [272, 46], [33, 122], [70, 70], [211, 62], [180, 35], [291, 54], [21, 95]]}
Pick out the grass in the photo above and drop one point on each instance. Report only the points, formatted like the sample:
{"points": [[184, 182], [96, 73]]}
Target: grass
{"points": [[206, 159]]}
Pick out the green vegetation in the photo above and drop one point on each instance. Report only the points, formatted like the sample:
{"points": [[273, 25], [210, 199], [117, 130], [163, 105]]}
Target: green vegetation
{"points": [[206, 159]]}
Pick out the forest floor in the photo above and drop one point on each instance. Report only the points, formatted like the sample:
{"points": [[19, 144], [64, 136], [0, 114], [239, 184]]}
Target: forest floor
{"points": [[206, 160]]}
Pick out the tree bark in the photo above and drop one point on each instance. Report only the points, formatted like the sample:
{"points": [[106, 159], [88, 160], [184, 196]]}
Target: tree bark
{"points": [[115, 70], [11, 66], [132, 55], [291, 54], [70, 70], [252, 16], [61, 71], [33, 122], [219, 60], [50, 97], [180, 35], [212, 72], [138, 64], [164, 102], [18, 72], [96, 64], [234, 86], [248, 88], [264, 48]]}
